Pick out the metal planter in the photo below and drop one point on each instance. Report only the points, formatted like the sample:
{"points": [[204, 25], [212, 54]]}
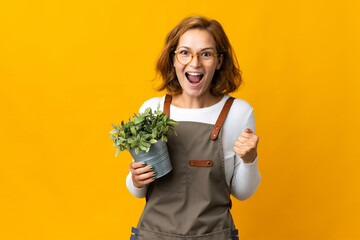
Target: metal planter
{"points": [[158, 157]]}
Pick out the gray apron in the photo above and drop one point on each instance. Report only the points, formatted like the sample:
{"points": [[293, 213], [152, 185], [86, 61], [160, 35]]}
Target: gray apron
{"points": [[192, 202]]}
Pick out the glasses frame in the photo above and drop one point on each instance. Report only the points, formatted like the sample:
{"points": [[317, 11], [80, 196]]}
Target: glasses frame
{"points": [[214, 55]]}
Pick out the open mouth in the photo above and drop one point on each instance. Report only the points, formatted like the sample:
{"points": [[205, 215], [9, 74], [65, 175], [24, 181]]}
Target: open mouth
{"points": [[194, 78]]}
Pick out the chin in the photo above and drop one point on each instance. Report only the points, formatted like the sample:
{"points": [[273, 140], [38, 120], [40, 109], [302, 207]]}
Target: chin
{"points": [[194, 93]]}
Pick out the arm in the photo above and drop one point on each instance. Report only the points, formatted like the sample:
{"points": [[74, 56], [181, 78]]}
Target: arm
{"points": [[246, 176]]}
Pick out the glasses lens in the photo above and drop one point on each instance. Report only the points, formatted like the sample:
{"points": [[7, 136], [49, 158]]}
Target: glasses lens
{"points": [[183, 56], [206, 57]]}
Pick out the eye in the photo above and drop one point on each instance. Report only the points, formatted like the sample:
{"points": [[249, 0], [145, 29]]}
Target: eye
{"points": [[206, 54], [184, 52]]}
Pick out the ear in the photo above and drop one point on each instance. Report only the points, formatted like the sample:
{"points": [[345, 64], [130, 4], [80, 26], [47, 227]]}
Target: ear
{"points": [[220, 60]]}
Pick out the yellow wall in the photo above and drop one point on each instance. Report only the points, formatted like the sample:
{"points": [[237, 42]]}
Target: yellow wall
{"points": [[68, 69]]}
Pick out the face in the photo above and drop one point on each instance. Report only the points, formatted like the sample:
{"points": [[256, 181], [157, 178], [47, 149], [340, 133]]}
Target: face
{"points": [[193, 84]]}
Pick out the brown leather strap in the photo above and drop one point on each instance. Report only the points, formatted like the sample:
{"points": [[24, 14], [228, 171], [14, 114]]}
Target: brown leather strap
{"points": [[167, 103], [221, 118], [201, 163]]}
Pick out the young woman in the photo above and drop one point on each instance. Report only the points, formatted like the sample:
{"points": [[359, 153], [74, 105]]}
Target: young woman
{"points": [[215, 152]]}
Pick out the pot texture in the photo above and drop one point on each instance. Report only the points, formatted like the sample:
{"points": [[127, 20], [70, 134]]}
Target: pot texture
{"points": [[158, 157]]}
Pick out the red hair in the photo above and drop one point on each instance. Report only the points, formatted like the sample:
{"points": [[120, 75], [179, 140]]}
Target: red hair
{"points": [[225, 80]]}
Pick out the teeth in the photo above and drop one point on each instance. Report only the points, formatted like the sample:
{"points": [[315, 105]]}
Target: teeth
{"points": [[195, 74]]}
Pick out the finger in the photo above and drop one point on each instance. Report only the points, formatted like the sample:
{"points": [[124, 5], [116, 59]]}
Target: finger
{"points": [[247, 134], [141, 181], [145, 176], [251, 136], [241, 139], [147, 181], [239, 144], [142, 170], [136, 165], [248, 130], [238, 151]]}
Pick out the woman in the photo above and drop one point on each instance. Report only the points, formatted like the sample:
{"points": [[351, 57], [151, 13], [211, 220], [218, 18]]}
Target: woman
{"points": [[215, 152]]}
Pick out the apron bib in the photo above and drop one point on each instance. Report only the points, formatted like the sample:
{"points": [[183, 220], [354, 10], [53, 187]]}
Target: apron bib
{"points": [[191, 202]]}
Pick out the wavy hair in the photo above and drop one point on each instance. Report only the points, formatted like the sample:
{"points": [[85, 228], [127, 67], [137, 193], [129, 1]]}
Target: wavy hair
{"points": [[225, 80]]}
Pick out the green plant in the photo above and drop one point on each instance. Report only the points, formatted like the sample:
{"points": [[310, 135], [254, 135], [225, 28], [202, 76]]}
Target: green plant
{"points": [[145, 129]]}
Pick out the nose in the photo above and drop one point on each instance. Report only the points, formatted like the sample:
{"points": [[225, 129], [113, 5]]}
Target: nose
{"points": [[195, 62]]}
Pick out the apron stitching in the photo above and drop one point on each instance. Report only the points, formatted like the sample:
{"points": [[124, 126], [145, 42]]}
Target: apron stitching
{"points": [[223, 160], [187, 236]]}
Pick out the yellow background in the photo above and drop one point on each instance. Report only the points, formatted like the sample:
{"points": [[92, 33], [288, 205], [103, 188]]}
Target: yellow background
{"points": [[68, 69]]}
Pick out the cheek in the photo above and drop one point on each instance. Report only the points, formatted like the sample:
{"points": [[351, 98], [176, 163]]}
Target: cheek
{"points": [[179, 69]]}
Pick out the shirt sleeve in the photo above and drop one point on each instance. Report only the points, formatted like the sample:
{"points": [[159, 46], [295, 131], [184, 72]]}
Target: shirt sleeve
{"points": [[246, 176]]}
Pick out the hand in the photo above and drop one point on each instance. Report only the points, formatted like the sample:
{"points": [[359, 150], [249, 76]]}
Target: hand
{"points": [[141, 174], [246, 146]]}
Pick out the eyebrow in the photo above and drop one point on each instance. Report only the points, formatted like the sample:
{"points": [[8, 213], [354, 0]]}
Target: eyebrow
{"points": [[200, 50]]}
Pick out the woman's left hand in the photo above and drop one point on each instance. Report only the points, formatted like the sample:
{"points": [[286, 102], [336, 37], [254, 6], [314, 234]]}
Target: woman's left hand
{"points": [[246, 145]]}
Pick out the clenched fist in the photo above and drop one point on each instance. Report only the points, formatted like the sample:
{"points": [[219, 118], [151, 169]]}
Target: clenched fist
{"points": [[246, 145]]}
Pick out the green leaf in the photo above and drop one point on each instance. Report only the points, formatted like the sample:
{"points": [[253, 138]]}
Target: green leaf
{"points": [[113, 137], [159, 124], [113, 131], [154, 133], [117, 151], [153, 140], [134, 144], [133, 131], [137, 150], [172, 122], [139, 120], [147, 136]]}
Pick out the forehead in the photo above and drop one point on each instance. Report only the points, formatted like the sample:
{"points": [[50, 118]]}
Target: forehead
{"points": [[196, 39]]}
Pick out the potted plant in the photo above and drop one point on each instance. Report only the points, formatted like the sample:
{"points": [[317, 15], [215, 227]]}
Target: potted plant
{"points": [[145, 138]]}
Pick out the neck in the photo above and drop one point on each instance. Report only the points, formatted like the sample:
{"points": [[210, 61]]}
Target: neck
{"points": [[186, 101]]}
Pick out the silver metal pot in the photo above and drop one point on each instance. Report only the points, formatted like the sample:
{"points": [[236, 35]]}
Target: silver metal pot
{"points": [[158, 157]]}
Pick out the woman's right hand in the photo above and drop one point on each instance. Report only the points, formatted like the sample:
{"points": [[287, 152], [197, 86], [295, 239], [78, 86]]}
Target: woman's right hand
{"points": [[141, 174]]}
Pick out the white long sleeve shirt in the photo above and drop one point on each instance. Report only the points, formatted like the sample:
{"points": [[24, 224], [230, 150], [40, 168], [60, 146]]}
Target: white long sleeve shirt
{"points": [[243, 178]]}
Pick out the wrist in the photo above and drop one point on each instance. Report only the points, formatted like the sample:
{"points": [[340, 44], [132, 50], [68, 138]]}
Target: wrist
{"points": [[250, 159]]}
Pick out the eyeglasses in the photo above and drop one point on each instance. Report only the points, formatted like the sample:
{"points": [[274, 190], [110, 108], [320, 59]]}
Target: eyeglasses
{"points": [[185, 57]]}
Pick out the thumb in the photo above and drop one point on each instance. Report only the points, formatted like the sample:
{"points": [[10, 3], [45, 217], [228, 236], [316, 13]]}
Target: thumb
{"points": [[248, 130]]}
